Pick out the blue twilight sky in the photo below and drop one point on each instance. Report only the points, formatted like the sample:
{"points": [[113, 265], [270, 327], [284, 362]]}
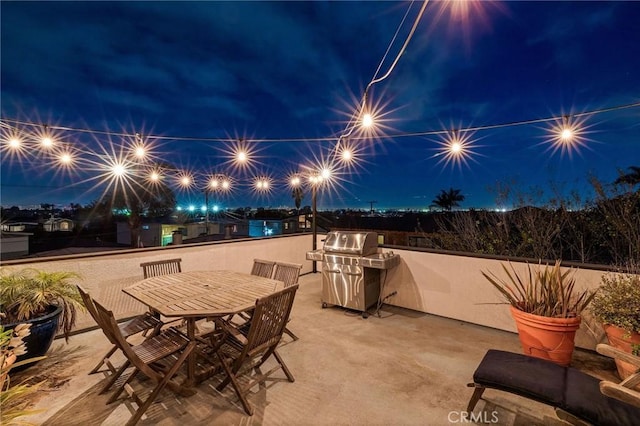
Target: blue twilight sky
{"points": [[296, 70]]}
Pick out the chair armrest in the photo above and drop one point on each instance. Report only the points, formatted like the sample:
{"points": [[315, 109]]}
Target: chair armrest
{"points": [[622, 393], [616, 353]]}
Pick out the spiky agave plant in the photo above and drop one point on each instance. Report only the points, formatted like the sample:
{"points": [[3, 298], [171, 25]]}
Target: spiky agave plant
{"points": [[31, 293], [545, 291]]}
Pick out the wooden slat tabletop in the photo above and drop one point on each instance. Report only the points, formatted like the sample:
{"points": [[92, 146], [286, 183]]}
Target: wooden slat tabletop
{"points": [[202, 293]]}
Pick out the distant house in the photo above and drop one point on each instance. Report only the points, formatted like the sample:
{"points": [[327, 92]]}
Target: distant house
{"points": [[54, 224], [18, 226], [14, 245], [162, 234]]}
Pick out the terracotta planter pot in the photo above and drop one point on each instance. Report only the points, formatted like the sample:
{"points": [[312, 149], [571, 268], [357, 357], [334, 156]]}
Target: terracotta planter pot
{"points": [[548, 338], [617, 339]]}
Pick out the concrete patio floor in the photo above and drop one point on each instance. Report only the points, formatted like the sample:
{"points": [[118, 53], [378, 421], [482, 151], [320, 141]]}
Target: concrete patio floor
{"points": [[400, 368]]}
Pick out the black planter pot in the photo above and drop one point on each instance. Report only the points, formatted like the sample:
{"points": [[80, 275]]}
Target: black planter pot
{"points": [[43, 330]]}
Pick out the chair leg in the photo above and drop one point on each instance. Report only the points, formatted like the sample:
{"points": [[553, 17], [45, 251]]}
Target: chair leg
{"points": [[107, 355], [114, 377], [161, 384], [236, 386], [284, 367], [477, 394], [290, 333], [118, 391]]}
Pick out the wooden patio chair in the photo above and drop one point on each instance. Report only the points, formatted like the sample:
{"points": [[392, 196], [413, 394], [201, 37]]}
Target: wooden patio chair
{"points": [[161, 267], [578, 398], [143, 323], [241, 351], [289, 274], [262, 268], [159, 357]]}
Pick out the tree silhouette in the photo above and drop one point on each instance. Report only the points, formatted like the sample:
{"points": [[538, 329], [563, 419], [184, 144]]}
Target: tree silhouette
{"points": [[297, 195], [631, 178], [447, 200], [143, 201]]}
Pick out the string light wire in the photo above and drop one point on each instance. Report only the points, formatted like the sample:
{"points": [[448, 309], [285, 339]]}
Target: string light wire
{"points": [[10, 123]]}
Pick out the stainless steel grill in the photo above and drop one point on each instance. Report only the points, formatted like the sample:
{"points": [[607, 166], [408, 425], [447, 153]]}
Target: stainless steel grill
{"points": [[351, 269]]}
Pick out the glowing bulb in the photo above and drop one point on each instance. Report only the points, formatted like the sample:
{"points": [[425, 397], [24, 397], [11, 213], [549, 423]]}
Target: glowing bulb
{"points": [[347, 155], [213, 184], [14, 143], [185, 181], [140, 152], [155, 177], [47, 142], [456, 148], [118, 170], [367, 120], [203, 209], [325, 174], [566, 135], [242, 156], [295, 181], [225, 184], [65, 158], [191, 208]]}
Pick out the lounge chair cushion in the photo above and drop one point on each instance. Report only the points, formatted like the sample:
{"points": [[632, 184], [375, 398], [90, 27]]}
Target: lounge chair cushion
{"points": [[563, 387], [584, 400]]}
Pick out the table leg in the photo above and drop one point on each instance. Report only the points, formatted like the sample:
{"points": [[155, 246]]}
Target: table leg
{"points": [[191, 362]]}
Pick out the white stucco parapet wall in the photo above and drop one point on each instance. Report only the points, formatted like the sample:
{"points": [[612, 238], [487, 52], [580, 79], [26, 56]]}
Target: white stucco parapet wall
{"points": [[453, 286]]}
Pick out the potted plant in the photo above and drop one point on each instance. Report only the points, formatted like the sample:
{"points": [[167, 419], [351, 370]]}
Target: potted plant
{"points": [[546, 307], [46, 300], [617, 307], [12, 397]]}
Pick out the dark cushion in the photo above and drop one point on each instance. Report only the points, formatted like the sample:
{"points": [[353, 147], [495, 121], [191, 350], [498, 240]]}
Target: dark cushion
{"points": [[564, 387], [584, 399], [523, 375]]}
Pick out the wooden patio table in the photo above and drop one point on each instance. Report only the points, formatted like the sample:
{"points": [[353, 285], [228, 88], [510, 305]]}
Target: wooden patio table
{"points": [[201, 294]]}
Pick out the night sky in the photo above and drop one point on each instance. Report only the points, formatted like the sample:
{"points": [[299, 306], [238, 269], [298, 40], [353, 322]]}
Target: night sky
{"points": [[292, 71]]}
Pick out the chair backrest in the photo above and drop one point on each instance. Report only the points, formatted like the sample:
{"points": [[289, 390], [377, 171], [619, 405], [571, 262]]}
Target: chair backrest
{"points": [[88, 303], [268, 322], [161, 267], [111, 329], [287, 273], [262, 268]]}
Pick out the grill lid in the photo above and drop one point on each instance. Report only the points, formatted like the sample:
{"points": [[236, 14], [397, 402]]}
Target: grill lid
{"points": [[351, 242]]}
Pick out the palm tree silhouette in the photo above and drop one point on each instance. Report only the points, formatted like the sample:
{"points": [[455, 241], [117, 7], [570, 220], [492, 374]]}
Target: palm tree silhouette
{"points": [[447, 200], [632, 178]]}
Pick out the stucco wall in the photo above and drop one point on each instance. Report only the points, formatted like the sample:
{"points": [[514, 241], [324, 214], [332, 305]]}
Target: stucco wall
{"points": [[453, 287]]}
